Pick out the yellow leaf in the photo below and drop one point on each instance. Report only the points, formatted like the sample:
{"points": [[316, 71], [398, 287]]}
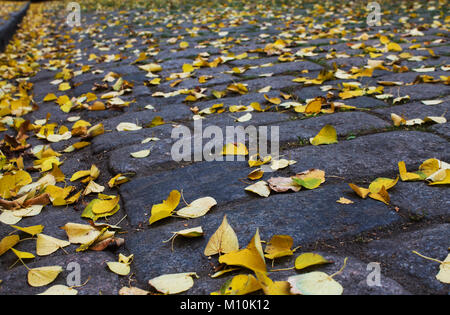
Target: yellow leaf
{"points": [[117, 180], [384, 40], [50, 97], [59, 290], [239, 285], [165, 209], [444, 180], [64, 86], [140, 154], [273, 100], [260, 188], [22, 255], [188, 68], [394, 47], [80, 233], [315, 283], [223, 241], [254, 160], [271, 287], [344, 201], [46, 245], [184, 45], [39, 277], [119, 268], [79, 174], [251, 257], [256, 174], [173, 283], [233, 149], [382, 195], [105, 206], [405, 175], [8, 242], [279, 246], [430, 166], [151, 67], [197, 208], [309, 259], [398, 120], [378, 183], [360, 191], [315, 106], [32, 230], [157, 121], [327, 135]]}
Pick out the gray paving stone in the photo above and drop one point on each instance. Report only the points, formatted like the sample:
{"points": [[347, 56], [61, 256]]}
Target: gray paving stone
{"points": [[353, 279], [169, 113], [369, 156], [424, 91], [101, 280], [306, 216], [396, 254], [418, 199], [442, 129], [415, 110], [346, 123]]}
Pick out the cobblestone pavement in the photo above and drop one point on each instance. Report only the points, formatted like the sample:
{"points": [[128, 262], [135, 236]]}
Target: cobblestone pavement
{"points": [[258, 46]]}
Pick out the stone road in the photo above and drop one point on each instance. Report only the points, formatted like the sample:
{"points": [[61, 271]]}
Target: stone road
{"points": [[312, 40]]}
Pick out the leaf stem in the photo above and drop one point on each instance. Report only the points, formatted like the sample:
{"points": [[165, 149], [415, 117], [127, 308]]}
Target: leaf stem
{"points": [[428, 258], [341, 270]]}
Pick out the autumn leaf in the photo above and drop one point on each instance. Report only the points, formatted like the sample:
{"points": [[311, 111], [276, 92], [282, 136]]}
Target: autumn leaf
{"points": [[223, 241], [327, 135], [165, 209], [251, 257]]}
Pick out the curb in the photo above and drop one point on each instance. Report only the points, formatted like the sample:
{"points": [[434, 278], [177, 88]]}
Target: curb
{"points": [[8, 29]]}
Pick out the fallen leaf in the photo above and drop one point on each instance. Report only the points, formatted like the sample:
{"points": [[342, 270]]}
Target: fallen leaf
{"points": [[197, 208], [279, 246], [223, 241], [46, 245], [165, 209], [327, 135], [309, 259], [239, 285], [173, 283], [251, 257], [59, 289], [39, 277], [261, 188]]}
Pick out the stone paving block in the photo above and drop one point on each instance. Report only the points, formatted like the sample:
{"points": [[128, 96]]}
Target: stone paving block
{"points": [[442, 129], [161, 151], [287, 67], [101, 280], [415, 110], [306, 216], [114, 140], [418, 199], [346, 123], [364, 102], [354, 278], [169, 113], [396, 254], [424, 91], [370, 156]]}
